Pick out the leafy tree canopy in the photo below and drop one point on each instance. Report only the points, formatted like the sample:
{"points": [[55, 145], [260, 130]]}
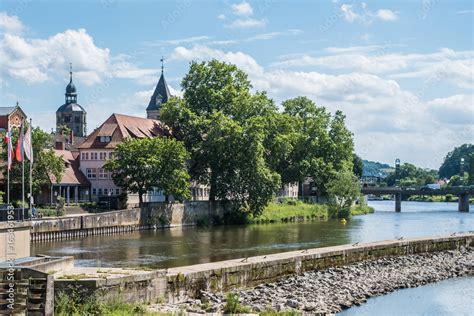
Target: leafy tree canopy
{"points": [[452, 162], [139, 165]]}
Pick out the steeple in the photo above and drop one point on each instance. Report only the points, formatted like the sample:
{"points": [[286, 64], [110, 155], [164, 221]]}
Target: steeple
{"points": [[71, 94], [160, 96]]}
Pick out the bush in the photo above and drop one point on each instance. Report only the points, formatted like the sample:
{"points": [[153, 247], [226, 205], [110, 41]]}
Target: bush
{"points": [[233, 306]]}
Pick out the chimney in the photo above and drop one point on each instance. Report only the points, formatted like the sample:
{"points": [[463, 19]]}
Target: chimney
{"points": [[71, 138], [59, 145]]}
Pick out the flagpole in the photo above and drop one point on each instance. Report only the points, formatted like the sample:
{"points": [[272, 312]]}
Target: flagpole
{"points": [[31, 167], [8, 179], [23, 186]]}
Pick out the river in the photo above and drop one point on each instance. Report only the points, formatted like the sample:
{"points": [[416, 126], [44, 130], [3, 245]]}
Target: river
{"points": [[192, 245]]}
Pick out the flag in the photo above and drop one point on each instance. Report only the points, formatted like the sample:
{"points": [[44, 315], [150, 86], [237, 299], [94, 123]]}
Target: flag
{"points": [[19, 145], [8, 140], [27, 145]]}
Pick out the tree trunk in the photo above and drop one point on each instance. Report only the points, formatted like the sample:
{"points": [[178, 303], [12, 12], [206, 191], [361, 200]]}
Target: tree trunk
{"points": [[140, 198], [212, 191]]}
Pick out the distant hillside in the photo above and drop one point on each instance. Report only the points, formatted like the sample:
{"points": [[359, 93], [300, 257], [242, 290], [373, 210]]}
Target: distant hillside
{"points": [[374, 168]]}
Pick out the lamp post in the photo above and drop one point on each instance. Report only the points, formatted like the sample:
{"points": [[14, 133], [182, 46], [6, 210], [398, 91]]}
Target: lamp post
{"points": [[110, 195]]}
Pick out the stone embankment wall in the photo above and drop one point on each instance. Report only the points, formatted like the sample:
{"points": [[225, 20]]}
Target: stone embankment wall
{"points": [[116, 222], [188, 282], [14, 240]]}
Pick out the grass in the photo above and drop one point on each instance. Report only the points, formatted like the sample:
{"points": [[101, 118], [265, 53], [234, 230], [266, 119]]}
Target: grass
{"points": [[233, 306], [361, 210], [293, 210], [290, 211], [76, 303]]}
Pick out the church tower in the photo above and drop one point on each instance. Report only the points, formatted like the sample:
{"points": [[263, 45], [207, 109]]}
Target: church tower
{"points": [[160, 96], [71, 114]]}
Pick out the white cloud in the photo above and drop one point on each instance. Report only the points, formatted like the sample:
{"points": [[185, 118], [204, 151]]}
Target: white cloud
{"points": [[443, 65], [465, 12], [361, 14], [192, 39], [242, 9], [388, 122], [38, 60], [10, 24], [349, 14], [456, 109], [247, 23], [387, 15], [200, 52], [243, 12]]}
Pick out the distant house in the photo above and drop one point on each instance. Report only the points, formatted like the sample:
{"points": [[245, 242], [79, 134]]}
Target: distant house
{"points": [[11, 117], [73, 186], [100, 144]]}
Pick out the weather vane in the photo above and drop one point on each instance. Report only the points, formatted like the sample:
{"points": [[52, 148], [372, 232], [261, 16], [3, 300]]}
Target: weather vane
{"points": [[162, 62]]}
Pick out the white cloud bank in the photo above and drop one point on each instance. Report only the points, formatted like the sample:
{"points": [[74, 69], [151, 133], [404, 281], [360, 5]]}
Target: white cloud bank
{"points": [[388, 121], [40, 60]]}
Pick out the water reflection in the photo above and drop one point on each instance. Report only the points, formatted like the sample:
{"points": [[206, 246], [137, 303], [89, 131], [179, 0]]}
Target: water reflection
{"points": [[191, 245]]}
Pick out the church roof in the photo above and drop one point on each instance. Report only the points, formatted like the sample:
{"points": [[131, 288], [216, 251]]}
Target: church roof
{"points": [[71, 107], [162, 91], [120, 127]]}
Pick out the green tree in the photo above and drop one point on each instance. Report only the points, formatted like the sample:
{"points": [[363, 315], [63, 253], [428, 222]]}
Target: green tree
{"points": [[344, 189], [452, 162], [47, 166], [357, 165], [411, 175], [214, 86], [138, 165], [322, 143], [471, 169]]}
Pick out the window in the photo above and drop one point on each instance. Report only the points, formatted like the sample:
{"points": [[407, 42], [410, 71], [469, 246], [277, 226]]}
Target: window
{"points": [[106, 191], [94, 191], [110, 155], [91, 173], [67, 119], [85, 156], [93, 156], [105, 139], [117, 191], [100, 191], [103, 174], [102, 156]]}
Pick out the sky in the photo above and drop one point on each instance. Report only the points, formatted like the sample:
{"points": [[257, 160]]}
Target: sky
{"points": [[401, 71]]}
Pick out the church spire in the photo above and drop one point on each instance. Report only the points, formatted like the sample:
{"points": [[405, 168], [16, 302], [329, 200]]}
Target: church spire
{"points": [[160, 96], [71, 93], [162, 64]]}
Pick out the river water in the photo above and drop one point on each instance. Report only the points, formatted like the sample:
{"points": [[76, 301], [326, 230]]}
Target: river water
{"points": [[192, 245], [185, 246]]}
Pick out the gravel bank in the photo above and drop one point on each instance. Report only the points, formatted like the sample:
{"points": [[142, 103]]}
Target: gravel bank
{"points": [[332, 290]]}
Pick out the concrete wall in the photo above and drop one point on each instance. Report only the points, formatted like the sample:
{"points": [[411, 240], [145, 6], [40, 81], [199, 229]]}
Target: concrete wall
{"points": [[17, 243], [186, 282], [138, 287], [107, 223]]}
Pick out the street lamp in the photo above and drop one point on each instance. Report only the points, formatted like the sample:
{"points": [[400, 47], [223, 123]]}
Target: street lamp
{"points": [[110, 195]]}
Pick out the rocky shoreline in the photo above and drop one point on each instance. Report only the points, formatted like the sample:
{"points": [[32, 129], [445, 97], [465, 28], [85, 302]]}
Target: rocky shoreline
{"points": [[332, 290]]}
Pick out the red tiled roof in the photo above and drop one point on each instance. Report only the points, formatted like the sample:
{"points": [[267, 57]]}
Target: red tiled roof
{"points": [[120, 127], [72, 174]]}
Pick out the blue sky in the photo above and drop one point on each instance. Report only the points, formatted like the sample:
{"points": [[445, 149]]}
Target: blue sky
{"points": [[402, 71]]}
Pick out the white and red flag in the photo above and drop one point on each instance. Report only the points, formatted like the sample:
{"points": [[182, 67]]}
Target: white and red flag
{"points": [[27, 145], [8, 141]]}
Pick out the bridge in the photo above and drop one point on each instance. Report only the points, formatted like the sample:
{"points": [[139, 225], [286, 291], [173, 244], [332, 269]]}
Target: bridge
{"points": [[463, 193]]}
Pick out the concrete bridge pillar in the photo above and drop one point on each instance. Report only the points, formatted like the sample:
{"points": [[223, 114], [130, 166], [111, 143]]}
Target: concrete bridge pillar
{"points": [[463, 204], [398, 202]]}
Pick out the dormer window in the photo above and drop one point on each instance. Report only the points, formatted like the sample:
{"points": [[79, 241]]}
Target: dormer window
{"points": [[105, 139]]}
